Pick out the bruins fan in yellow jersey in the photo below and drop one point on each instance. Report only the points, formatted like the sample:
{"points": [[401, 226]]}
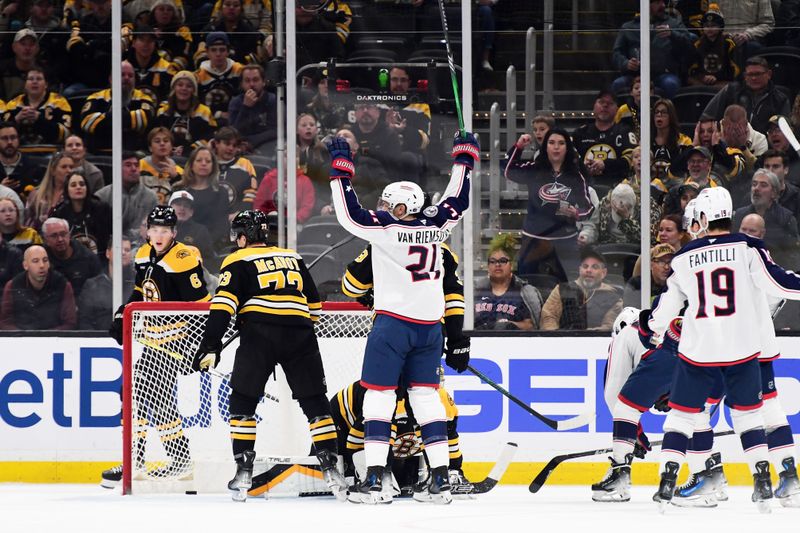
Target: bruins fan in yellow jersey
{"points": [[166, 270], [274, 296]]}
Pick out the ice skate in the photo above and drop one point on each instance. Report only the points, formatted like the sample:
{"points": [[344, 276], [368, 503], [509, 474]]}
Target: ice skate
{"points": [[460, 487], [371, 489], [788, 490], [616, 486], [698, 491], [111, 478], [243, 479], [714, 468], [666, 489], [328, 462], [439, 487], [762, 487]]}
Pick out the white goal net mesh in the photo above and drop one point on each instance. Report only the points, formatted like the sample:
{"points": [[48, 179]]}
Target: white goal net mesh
{"points": [[179, 436]]}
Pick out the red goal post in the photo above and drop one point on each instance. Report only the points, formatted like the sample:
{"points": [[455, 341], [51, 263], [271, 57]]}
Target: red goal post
{"points": [[175, 431]]}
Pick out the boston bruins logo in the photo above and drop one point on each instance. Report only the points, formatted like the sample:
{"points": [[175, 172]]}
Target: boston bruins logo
{"points": [[406, 445], [150, 291], [231, 192], [601, 152], [712, 63]]}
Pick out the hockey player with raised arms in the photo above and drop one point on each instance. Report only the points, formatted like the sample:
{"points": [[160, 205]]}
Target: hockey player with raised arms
{"points": [[405, 344], [718, 277]]}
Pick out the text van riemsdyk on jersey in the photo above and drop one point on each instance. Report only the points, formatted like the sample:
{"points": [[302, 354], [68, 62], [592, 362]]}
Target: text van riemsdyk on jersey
{"points": [[422, 237]]}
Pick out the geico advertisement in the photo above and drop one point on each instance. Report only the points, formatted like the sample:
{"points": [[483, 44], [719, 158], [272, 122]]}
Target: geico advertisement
{"points": [[59, 397]]}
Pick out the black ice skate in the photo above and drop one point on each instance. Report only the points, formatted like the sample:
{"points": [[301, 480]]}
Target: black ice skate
{"points": [[762, 487], [666, 489], [328, 462], [788, 491], [111, 478], [714, 468], [460, 487], [616, 486], [243, 479], [371, 489], [698, 491], [439, 487]]}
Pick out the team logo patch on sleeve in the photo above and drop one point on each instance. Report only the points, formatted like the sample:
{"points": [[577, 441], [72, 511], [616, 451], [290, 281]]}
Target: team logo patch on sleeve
{"points": [[182, 254], [431, 211]]}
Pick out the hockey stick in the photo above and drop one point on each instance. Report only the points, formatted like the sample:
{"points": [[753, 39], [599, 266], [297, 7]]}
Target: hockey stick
{"points": [[452, 65], [558, 425], [789, 134], [499, 468], [541, 478]]}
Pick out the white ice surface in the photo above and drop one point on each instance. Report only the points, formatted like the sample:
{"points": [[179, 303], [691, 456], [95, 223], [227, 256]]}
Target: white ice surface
{"points": [[88, 509]]}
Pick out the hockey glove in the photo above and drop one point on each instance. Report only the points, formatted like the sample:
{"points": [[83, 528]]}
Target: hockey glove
{"points": [[466, 150], [367, 299], [642, 443], [115, 331], [673, 335], [207, 356], [341, 159], [662, 404], [645, 333], [456, 354]]}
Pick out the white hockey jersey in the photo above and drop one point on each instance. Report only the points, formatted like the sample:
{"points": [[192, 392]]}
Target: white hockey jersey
{"points": [[723, 279], [624, 353], [769, 348], [406, 255]]}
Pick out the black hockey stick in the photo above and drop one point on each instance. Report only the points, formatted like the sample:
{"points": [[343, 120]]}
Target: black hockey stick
{"points": [[452, 65], [499, 468], [559, 425]]}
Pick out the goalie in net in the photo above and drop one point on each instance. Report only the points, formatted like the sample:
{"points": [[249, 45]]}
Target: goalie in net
{"points": [[166, 270]]}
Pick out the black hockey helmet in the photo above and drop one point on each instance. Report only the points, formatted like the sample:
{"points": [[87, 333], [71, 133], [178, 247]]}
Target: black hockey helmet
{"points": [[162, 215], [253, 224]]}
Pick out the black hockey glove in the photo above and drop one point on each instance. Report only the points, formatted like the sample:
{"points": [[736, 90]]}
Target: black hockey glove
{"points": [[367, 299], [456, 354], [115, 331], [642, 443], [662, 404], [207, 356]]}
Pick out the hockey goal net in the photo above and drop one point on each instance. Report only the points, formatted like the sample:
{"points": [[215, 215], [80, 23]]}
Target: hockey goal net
{"points": [[175, 421]]}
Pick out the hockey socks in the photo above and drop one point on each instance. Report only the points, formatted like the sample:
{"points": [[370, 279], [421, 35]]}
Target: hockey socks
{"points": [[699, 450], [754, 444], [243, 433], [781, 445], [673, 449], [625, 432], [323, 433]]}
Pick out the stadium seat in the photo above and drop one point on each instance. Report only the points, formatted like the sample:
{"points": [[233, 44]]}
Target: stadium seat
{"points": [[785, 62], [620, 259], [373, 55], [691, 101], [544, 282]]}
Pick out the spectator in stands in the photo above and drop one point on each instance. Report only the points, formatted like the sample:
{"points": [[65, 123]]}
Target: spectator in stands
{"points": [[247, 43], [670, 231], [257, 12], [713, 62], [153, 72], [330, 112], [52, 37], [605, 147], [727, 162], [660, 260], [378, 141], [619, 216], [236, 173], [317, 38], [8, 193], [557, 199], [502, 300], [750, 21], [76, 149], [10, 258], [778, 163], [312, 155], [39, 298], [14, 233], [780, 223], [412, 122], [667, 137], [738, 133], [89, 48], [760, 97], [17, 171], [89, 219], [778, 141], [14, 70], [138, 110], [587, 302], [43, 117], [46, 196], [669, 42], [191, 232], [254, 113], [201, 179], [68, 256], [628, 113], [173, 37], [635, 181], [158, 170], [540, 125], [137, 199], [267, 195], [219, 76], [190, 121], [95, 311]]}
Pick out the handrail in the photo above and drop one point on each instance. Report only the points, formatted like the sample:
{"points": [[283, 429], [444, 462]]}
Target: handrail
{"points": [[547, 75], [494, 166], [511, 102], [530, 73]]}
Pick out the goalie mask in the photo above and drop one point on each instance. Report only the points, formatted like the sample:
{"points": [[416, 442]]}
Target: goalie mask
{"points": [[254, 225], [407, 193], [626, 317], [162, 215]]}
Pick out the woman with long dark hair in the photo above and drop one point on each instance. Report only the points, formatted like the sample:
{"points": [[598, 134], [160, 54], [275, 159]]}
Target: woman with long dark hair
{"points": [[89, 218], [669, 144], [557, 198], [43, 199]]}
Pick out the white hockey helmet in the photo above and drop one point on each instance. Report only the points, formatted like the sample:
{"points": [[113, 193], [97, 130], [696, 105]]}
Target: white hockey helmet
{"points": [[688, 212], [404, 192], [626, 317], [713, 203]]}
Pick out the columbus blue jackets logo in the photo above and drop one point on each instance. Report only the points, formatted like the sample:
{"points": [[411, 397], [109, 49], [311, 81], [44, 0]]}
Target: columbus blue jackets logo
{"points": [[430, 211], [553, 193]]}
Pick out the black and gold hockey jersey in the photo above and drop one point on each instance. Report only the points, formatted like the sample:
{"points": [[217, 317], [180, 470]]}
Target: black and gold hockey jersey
{"points": [[357, 281], [238, 178], [189, 129], [96, 120], [50, 128], [175, 276], [159, 182], [154, 78], [265, 284], [216, 89]]}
